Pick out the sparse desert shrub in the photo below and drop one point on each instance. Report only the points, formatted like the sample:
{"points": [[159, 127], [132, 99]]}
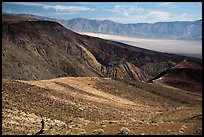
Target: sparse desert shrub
{"points": [[98, 131], [124, 131], [83, 132], [153, 121], [69, 132]]}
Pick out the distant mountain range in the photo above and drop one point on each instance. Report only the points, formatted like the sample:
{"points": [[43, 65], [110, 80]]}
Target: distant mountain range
{"points": [[176, 30], [185, 30]]}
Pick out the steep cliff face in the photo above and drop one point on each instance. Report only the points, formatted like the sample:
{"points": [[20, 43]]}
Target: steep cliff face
{"points": [[34, 50]]}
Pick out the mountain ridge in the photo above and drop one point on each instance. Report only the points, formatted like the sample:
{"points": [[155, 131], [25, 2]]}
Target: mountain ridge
{"points": [[185, 30], [50, 46]]}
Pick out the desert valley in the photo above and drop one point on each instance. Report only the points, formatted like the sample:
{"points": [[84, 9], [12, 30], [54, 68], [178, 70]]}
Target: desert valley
{"points": [[56, 81]]}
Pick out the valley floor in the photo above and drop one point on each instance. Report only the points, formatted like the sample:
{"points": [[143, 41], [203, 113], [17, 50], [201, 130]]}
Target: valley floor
{"points": [[92, 105], [182, 47]]}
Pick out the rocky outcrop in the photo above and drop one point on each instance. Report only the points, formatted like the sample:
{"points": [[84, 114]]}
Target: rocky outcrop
{"points": [[123, 70]]}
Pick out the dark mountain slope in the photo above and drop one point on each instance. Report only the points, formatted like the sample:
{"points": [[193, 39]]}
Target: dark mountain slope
{"points": [[185, 75], [46, 49], [41, 50]]}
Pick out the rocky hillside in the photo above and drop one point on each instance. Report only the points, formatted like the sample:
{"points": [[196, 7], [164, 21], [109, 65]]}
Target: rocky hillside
{"points": [[34, 50], [185, 75], [93, 106]]}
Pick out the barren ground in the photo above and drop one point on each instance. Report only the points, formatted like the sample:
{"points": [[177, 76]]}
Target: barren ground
{"points": [[91, 105]]}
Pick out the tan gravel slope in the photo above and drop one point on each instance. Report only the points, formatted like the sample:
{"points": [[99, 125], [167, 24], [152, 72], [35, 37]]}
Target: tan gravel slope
{"points": [[92, 105]]}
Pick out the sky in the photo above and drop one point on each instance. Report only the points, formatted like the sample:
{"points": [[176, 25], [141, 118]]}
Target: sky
{"points": [[123, 12]]}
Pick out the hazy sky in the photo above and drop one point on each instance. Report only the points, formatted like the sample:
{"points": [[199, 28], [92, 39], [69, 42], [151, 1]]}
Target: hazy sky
{"points": [[124, 12]]}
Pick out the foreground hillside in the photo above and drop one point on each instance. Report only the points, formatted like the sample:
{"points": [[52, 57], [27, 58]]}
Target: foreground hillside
{"points": [[91, 105]]}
